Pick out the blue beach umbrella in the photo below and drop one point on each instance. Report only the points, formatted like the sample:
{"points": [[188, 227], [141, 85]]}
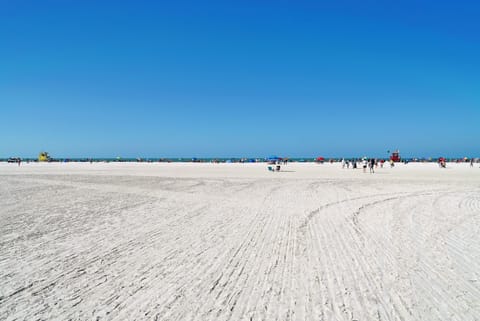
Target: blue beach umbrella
{"points": [[273, 159]]}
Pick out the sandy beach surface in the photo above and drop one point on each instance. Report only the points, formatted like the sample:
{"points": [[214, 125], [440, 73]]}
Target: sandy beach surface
{"points": [[184, 241]]}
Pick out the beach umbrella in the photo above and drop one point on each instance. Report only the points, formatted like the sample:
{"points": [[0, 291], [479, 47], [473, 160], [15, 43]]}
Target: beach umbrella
{"points": [[273, 158], [320, 159]]}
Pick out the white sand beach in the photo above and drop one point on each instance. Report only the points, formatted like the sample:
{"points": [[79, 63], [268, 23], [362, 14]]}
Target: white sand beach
{"points": [[185, 241]]}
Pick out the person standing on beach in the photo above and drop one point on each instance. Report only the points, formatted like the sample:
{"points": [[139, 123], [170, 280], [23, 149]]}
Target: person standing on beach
{"points": [[471, 162], [371, 165]]}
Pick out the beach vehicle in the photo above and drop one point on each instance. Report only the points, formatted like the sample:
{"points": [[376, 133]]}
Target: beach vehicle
{"points": [[396, 156], [14, 160], [43, 157]]}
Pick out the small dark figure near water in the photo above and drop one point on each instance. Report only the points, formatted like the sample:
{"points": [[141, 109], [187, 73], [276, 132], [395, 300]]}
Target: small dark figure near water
{"points": [[371, 164]]}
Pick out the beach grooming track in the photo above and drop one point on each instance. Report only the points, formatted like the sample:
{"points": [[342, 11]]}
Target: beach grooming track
{"points": [[91, 246]]}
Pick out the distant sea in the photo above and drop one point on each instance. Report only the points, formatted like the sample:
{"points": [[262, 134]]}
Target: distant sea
{"points": [[225, 160]]}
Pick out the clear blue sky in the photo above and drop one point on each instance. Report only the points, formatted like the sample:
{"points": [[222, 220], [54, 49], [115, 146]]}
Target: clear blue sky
{"points": [[239, 78]]}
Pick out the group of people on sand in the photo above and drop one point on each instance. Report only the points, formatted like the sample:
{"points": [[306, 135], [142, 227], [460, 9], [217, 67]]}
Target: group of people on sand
{"points": [[276, 167], [370, 163], [349, 162]]}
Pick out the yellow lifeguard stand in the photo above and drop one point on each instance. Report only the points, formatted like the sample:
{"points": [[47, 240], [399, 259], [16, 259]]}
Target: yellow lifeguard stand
{"points": [[43, 157]]}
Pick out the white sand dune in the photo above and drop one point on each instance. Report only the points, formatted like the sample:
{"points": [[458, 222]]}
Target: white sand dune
{"points": [[127, 241]]}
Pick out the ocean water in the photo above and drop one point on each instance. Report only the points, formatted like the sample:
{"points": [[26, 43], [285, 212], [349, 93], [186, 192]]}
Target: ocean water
{"points": [[223, 160]]}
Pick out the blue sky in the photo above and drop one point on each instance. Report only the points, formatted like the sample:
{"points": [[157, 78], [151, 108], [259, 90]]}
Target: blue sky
{"points": [[239, 78]]}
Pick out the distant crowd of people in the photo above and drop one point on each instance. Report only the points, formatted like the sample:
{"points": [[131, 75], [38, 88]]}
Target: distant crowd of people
{"points": [[370, 163]]}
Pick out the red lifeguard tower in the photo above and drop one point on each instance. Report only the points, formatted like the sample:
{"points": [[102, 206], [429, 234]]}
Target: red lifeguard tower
{"points": [[395, 156]]}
